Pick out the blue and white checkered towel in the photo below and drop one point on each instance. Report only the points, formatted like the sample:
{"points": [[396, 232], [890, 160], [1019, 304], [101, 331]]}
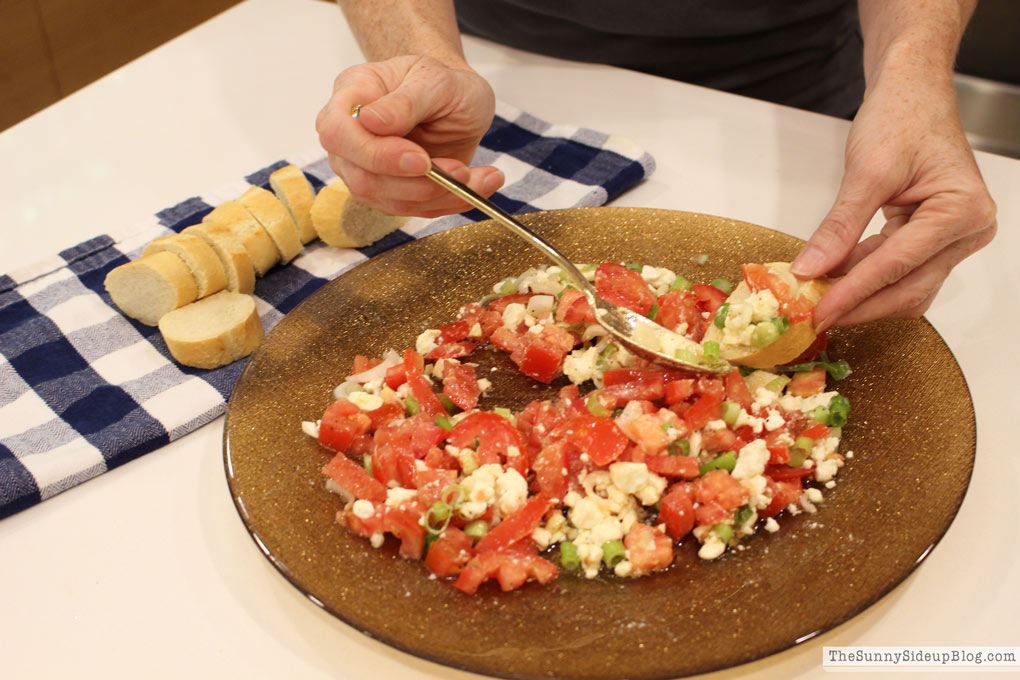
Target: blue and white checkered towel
{"points": [[84, 389]]}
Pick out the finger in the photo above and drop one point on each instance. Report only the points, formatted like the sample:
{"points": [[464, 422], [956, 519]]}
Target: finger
{"points": [[896, 219], [912, 295], [484, 180], [858, 199], [419, 97]]}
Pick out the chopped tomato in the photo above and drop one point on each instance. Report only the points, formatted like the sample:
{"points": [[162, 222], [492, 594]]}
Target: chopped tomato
{"points": [[648, 549], [674, 467], [395, 376], [573, 308], [451, 350], [597, 436], [679, 307], [653, 432], [404, 522], [341, 423], [432, 483], [784, 492], [778, 444], [721, 487], [454, 332], [782, 472], [449, 553], [500, 304], [677, 509], [709, 299], [461, 386], [363, 363], [384, 414], [510, 567], [627, 384], [759, 277], [807, 383], [715, 440], [353, 479], [488, 321], [677, 391], [495, 436], [517, 526], [816, 431], [706, 408], [551, 473], [737, 390], [625, 287]]}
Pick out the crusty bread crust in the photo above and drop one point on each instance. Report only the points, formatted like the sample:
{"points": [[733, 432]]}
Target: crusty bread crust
{"points": [[214, 331], [342, 222], [296, 194], [148, 288], [231, 220], [274, 218], [205, 265], [233, 258]]}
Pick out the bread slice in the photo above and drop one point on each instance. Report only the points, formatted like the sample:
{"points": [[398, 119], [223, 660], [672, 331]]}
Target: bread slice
{"points": [[342, 222], [789, 345], [214, 331], [198, 255], [150, 287], [275, 219], [297, 195], [233, 257], [232, 217]]}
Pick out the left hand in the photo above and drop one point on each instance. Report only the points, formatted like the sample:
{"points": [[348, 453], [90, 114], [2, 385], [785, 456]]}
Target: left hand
{"points": [[906, 154]]}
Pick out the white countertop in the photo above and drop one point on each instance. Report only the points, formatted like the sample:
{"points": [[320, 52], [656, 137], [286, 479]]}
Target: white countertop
{"points": [[148, 570]]}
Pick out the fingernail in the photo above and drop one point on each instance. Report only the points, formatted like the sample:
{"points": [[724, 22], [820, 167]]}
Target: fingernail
{"points": [[413, 163], [808, 262], [493, 182], [461, 174]]}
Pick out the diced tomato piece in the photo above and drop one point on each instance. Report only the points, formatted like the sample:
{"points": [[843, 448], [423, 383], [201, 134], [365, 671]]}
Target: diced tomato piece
{"points": [[653, 432], [573, 308], [710, 386], [783, 472], [404, 522], [678, 307], [500, 304], [721, 487], [363, 363], [707, 514], [508, 340], [353, 479], [677, 391], [384, 414], [784, 493], [426, 398], [597, 436], [677, 510], [706, 408], [551, 473], [432, 483], [709, 299], [816, 431], [487, 320], [541, 360], [652, 379], [414, 364], [776, 443], [439, 459], [449, 553], [619, 285], [341, 423], [674, 467], [648, 549], [715, 440], [460, 385], [518, 525], [454, 332], [361, 446], [496, 438], [451, 350], [737, 390], [807, 383], [759, 277], [395, 376], [510, 567]]}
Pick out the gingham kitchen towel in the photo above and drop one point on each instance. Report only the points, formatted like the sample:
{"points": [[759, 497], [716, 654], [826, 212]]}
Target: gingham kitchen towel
{"points": [[84, 388]]}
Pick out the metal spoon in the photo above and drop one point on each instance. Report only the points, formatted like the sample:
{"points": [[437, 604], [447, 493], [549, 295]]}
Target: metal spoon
{"points": [[637, 333]]}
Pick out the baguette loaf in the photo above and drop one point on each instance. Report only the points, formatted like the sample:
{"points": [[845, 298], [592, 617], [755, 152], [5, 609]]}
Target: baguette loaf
{"points": [[275, 219], [295, 192], [214, 331], [150, 287], [231, 218], [342, 222], [198, 255], [233, 257]]}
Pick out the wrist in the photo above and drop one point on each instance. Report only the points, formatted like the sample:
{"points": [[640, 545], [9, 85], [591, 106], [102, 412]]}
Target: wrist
{"points": [[912, 62]]}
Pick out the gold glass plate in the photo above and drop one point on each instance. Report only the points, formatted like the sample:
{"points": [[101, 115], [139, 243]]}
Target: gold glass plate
{"points": [[912, 434]]}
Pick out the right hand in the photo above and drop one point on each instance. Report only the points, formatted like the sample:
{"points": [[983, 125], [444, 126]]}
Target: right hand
{"points": [[414, 110]]}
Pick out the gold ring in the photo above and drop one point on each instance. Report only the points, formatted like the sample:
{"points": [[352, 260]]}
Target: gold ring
{"points": [[356, 111]]}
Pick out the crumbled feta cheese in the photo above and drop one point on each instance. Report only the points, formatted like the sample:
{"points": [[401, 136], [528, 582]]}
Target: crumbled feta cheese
{"points": [[579, 365], [311, 428], [513, 315], [629, 477], [774, 421], [376, 540], [814, 495], [651, 492], [658, 278], [511, 492], [362, 509], [712, 548], [540, 304], [751, 459], [771, 525], [399, 495], [476, 331], [484, 385], [585, 514], [806, 404], [365, 401], [623, 568], [763, 305], [426, 342]]}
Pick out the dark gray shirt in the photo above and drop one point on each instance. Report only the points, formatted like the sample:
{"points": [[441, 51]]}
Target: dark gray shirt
{"points": [[803, 53]]}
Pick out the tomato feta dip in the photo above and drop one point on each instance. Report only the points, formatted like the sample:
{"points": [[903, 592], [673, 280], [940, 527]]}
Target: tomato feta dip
{"points": [[607, 481]]}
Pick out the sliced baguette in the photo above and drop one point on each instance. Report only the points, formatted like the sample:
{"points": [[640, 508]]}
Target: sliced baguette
{"points": [[214, 331], [230, 217], [234, 259], [148, 288], [788, 346], [274, 218], [205, 265], [296, 194], [342, 222]]}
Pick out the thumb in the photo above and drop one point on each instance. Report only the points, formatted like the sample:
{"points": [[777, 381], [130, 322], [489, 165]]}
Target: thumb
{"points": [[397, 113], [856, 203]]}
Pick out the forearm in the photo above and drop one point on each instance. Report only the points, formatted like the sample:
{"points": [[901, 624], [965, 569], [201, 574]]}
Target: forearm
{"points": [[391, 28], [917, 38]]}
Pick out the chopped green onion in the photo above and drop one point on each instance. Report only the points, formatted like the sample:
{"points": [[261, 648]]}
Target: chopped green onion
{"points": [[437, 517], [484, 302], [804, 443], [411, 405], [743, 514], [366, 462], [681, 447], [730, 412], [444, 422], [613, 552], [477, 529], [821, 414], [839, 410], [700, 260], [726, 461], [468, 462], [448, 404], [505, 412], [778, 383], [720, 315], [782, 323], [569, 558], [711, 349], [666, 427], [686, 356], [723, 285], [633, 266], [837, 369], [617, 412], [680, 283], [452, 495], [764, 334], [797, 458], [652, 312], [595, 407], [602, 363], [508, 287], [723, 531], [746, 371]]}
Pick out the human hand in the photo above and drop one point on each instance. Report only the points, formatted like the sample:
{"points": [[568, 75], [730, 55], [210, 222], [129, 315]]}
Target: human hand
{"points": [[906, 154], [414, 110]]}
